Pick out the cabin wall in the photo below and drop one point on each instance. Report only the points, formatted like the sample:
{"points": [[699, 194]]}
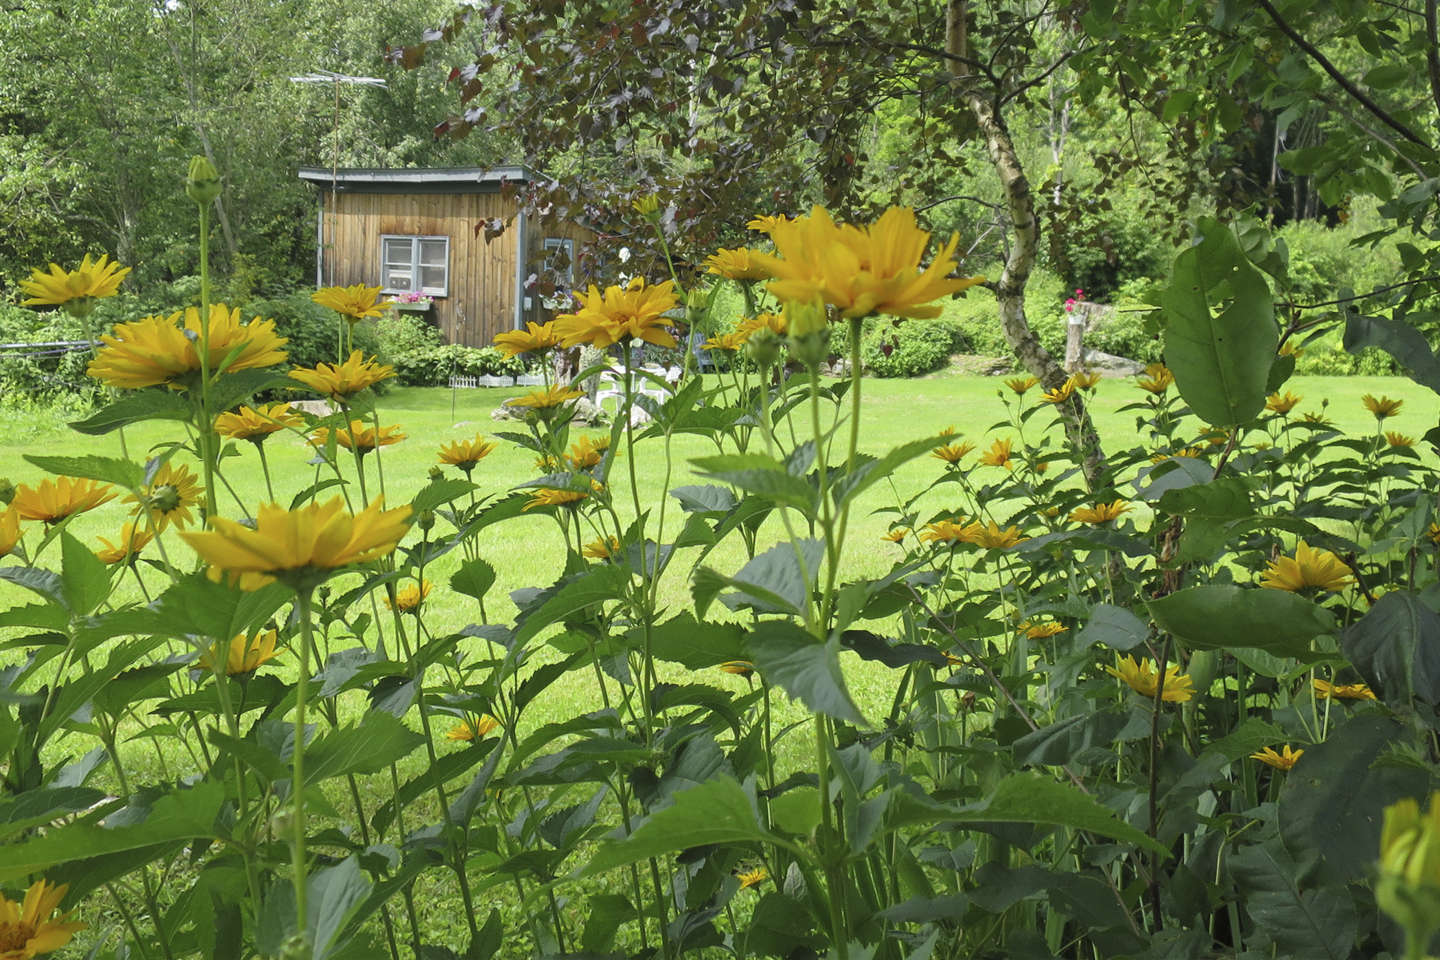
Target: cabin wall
{"points": [[481, 301]]}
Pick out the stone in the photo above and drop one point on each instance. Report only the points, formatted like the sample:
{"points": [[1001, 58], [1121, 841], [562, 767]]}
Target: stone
{"points": [[319, 408], [585, 413], [1110, 366]]}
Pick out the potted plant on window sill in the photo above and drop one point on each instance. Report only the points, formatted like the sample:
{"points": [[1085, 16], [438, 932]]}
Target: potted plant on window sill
{"points": [[412, 302]]}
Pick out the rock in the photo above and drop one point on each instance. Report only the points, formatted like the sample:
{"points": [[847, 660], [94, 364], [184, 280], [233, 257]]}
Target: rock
{"points": [[639, 416], [1110, 366], [585, 413], [320, 408]]}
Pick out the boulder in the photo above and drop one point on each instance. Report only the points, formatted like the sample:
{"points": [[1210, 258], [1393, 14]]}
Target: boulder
{"points": [[586, 413], [1110, 366]]}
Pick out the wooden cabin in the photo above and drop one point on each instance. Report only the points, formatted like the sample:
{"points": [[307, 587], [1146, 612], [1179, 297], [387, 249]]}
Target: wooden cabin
{"points": [[423, 231]]}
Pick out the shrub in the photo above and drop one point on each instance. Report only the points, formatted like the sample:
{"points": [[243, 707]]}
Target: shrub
{"points": [[316, 333], [916, 346], [43, 374], [434, 366], [405, 333]]}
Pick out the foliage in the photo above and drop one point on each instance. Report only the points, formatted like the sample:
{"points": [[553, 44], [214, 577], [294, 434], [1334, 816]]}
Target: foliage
{"points": [[434, 366], [914, 347], [42, 374]]}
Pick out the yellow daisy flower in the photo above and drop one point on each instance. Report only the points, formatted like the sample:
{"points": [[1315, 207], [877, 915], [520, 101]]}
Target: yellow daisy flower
{"points": [[1060, 394], [1325, 690], [472, 728], [587, 452], [991, 536], [1022, 385], [764, 320], [1398, 439], [1288, 349], [256, 424], [1192, 452], [50, 501], [549, 397], [1143, 679], [620, 314], [953, 452], [999, 454], [31, 927], [361, 436], [740, 668], [944, 531], [728, 342], [766, 224], [896, 535], [100, 278], [132, 541], [1283, 760], [1308, 568], [465, 454], [1158, 379], [535, 338], [409, 597], [1382, 407], [1282, 405], [154, 350], [299, 546], [1042, 631], [602, 549], [752, 878], [246, 654], [1100, 513], [735, 265], [551, 497], [356, 303], [1085, 381], [168, 497], [342, 381]]}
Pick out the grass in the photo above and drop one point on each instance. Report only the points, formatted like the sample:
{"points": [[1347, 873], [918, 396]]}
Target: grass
{"points": [[526, 552]]}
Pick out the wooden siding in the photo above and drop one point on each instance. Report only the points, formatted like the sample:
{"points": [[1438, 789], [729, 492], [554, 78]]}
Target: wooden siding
{"points": [[481, 300]]}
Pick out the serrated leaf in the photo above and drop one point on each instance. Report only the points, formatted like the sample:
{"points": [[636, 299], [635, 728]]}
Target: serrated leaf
{"points": [[122, 473], [136, 408], [804, 667]]}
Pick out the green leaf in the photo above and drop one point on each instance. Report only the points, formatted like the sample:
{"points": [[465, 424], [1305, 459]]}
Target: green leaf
{"points": [[1115, 627], [804, 667], [135, 408], [1027, 798], [705, 498], [594, 586], [122, 473], [84, 577], [40, 581], [761, 475], [44, 615], [1406, 344], [473, 579], [37, 807], [440, 492], [781, 927], [1218, 617], [772, 582], [1225, 498], [369, 748], [605, 912], [1396, 648], [196, 606], [330, 898], [1059, 742], [717, 811], [1333, 802], [179, 815], [1316, 923], [693, 644], [232, 389], [1220, 332]]}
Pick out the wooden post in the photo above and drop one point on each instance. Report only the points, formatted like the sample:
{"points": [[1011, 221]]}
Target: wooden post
{"points": [[1075, 342]]}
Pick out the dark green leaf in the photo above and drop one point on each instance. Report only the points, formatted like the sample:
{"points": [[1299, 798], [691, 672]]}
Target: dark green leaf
{"points": [[1058, 743], [1396, 337], [135, 408], [84, 577], [43, 582], [122, 473], [1028, 798], [369, 748], [1316, 923], [1115, 627], [804, 667], [1396, 648], [37, 807], [761, 475], [473, 579], [440, 492], [695, 645], [596, 585], [1216, 617]]}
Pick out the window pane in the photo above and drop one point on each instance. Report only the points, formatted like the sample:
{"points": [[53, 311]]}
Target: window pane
{"points": [[432, 253], [397, 279], [432, 279], [399, 252]]}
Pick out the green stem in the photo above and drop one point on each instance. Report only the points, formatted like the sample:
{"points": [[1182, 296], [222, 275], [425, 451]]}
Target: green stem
{"points": [[297, 776], [206, 424]]}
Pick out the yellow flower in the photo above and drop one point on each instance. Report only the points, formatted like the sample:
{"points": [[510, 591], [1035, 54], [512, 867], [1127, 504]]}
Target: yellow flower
{"points": [[1342, 691], [1282, 405], [98, 279], [740, 668], [1042, 631], [764, 320], [992, 536], [10, 530], [257, 424], [587, 452], [1143, 680], [355, 302], [1158, 379], [1283, 760], [472, 728], [361, 436], [299, 546], [766, 224], [1262, 445], [1321, 419], [1040, 466], [31, 927], [620, 315], [861, 270], [602, 549], [1100, 513], [1308, 568], [1433, 534], [132, 541], [1022, 385], [465, 454], [1288, 349], [953, 452], [736, 265], [999, 455], [535, 338], [1217, 439], [246, 655], [1060, 394], [1085, 381], [646, 205], [728, 342], [1383, 407], [551, 497], [342, 381], [752, 878], [168, 497], [1398, 439], [548, 464], [944, 531], [410, 596], [53, 500], [1192, 452], [155, 350], [549, 397], [896, 535]]}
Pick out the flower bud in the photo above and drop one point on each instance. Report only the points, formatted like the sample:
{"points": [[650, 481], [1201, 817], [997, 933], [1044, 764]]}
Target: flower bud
{"points": [[812, 348], [763, 347], [7, 490], [426, 520], [203, 183], [436, 473], [803, 318], [164, 498], [697, 307], [1409, 885]]}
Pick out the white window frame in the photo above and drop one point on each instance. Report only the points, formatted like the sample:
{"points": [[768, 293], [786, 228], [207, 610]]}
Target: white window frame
{"points": [[414, 265], [557, 243]]}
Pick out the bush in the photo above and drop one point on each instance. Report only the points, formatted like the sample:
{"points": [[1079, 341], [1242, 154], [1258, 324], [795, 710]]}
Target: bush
{"points": [[42, 374], [316, 333], [405, 333], [433, 367], [917, 346]]}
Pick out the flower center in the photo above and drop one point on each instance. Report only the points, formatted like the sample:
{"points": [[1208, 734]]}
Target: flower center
{"points": [[14, 936]]}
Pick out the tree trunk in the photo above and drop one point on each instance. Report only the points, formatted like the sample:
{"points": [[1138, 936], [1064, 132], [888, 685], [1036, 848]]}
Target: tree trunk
{"points": [[1010, 290]]}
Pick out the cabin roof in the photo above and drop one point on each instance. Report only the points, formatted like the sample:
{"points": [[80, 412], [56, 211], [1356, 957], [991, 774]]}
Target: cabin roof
{"points": [[417, 180]]}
